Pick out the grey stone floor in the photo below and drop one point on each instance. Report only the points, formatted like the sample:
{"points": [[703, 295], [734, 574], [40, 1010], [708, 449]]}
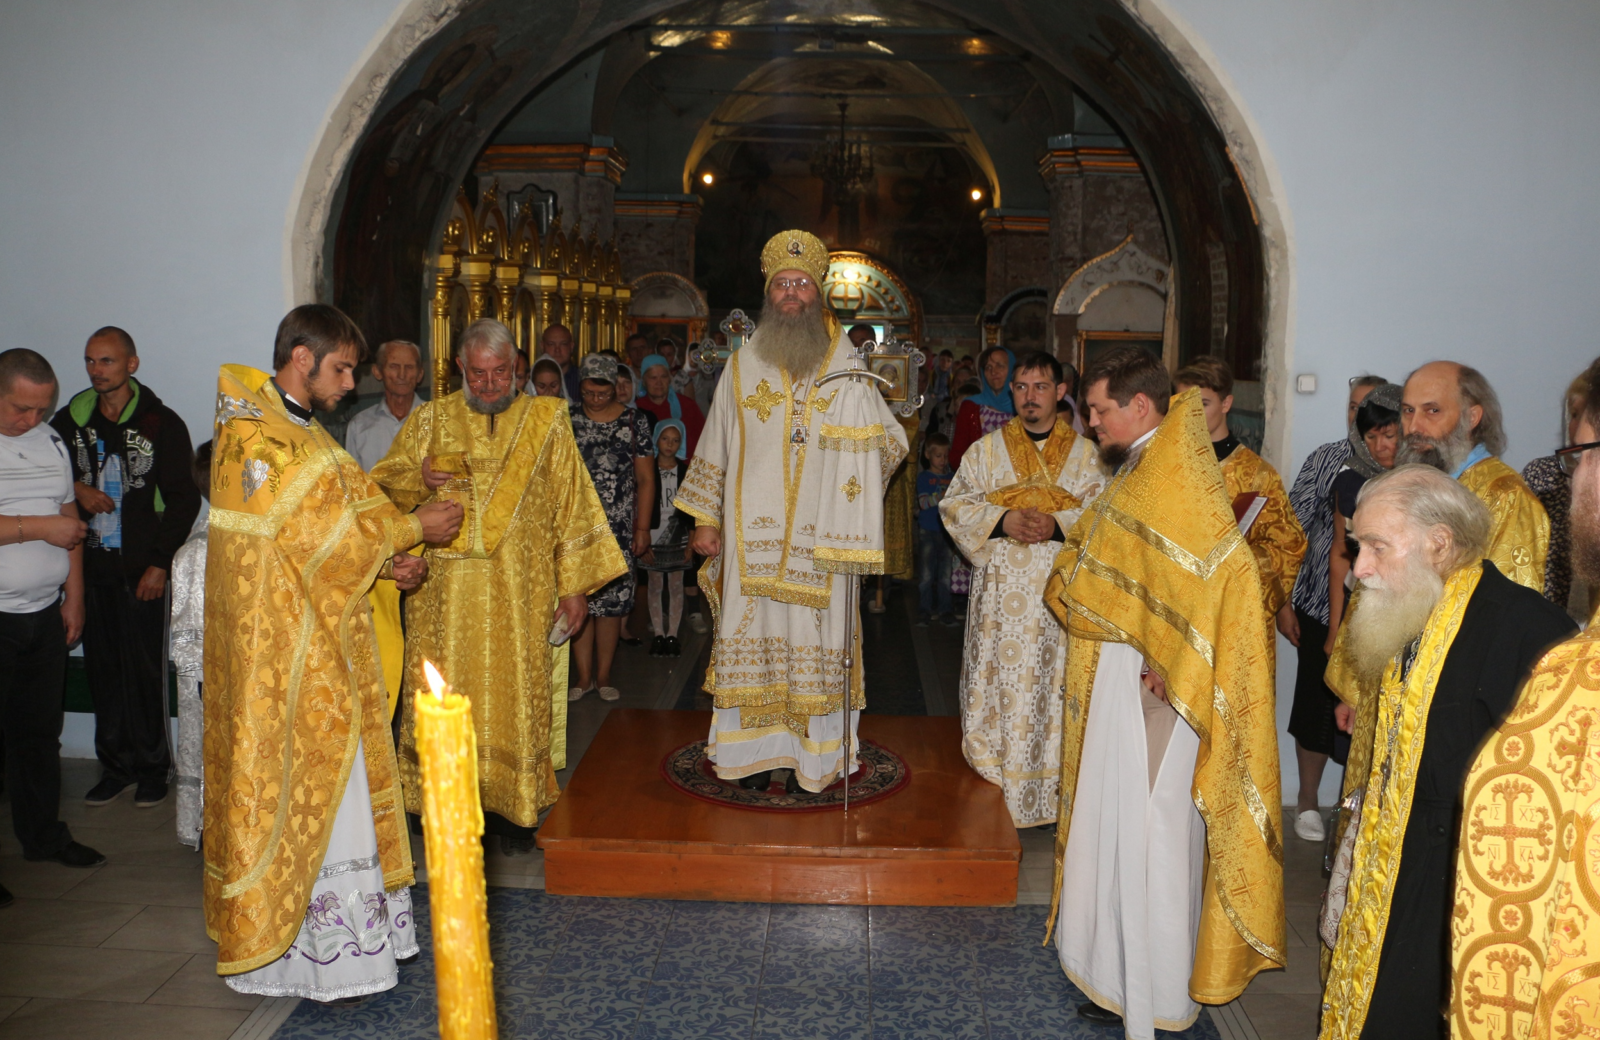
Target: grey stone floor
{"points": [[121, 951]]}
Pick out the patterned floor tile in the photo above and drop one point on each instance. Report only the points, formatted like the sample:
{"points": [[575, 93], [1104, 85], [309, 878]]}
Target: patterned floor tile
{"points": [[584, 1009], [619, 920], [949, 1014], [691, 1012], [817, 927], [1026, 1014], [709, 963], [793, 1013], [816, 969], [610, 961], [924, 924], [938, 966], [1028, 966]]}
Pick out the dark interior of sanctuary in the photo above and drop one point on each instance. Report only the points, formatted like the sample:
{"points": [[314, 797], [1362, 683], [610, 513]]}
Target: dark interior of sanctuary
{"points": [[623, 163]]}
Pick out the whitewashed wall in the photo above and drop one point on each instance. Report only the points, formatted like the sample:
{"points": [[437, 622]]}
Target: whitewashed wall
{"points": [[1437, 160]]}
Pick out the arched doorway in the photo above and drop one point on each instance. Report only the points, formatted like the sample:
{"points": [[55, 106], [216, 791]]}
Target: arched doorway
{"points": [[448, 76]]}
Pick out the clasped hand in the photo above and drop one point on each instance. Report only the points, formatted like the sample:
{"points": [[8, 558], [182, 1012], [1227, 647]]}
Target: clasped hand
{"points": [[408, 571], [1028, 526]]}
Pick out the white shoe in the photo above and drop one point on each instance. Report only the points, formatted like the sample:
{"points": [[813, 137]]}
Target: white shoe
{"points": [[576, 693], [1308, 826], [697, 622], [609, 693]]}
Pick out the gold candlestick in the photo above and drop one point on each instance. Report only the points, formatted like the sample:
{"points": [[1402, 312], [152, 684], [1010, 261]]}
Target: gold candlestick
{"points": [[453, 832]]}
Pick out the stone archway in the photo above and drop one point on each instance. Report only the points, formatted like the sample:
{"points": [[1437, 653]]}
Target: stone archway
{"points": [[376, 187]]}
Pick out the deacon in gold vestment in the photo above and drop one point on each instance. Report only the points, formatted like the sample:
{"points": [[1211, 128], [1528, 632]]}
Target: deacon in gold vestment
{"points": [[1451, 639], [306, 858], [1169, 854], [534, 534], [786, 488], [1018, 491], [1525, 937]]}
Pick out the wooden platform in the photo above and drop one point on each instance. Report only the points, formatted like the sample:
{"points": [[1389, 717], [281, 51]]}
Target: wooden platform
{"points": [[945, 839]]}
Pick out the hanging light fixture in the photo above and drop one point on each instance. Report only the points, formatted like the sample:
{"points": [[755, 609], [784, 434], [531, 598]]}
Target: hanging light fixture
{"points": [[844, 166]]}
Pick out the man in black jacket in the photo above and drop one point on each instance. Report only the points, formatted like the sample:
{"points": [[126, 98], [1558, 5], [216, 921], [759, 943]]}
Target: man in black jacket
{"points": [[130, 460]]}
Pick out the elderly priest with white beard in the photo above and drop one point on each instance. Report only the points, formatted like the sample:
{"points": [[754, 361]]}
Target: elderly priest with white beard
{"points": [[786, 489], [1446, 639]]}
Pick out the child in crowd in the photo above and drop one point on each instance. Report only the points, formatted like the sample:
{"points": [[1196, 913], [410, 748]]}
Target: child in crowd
{"points": [[937, 552], [668, 527], [188, 645]]}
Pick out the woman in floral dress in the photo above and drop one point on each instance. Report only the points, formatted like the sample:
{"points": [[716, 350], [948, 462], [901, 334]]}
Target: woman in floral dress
{"points": [[614, 441]]}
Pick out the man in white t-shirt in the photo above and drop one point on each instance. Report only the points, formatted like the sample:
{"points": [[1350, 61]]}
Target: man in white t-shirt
{"points": [[41, 605], [398, 367]]}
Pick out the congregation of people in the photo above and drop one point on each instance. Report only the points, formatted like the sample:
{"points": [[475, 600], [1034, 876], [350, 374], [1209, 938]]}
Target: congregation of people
{"points": [[1120, 561]]}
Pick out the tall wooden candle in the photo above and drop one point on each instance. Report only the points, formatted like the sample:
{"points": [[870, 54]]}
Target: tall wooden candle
{"points": [[453, 833]]}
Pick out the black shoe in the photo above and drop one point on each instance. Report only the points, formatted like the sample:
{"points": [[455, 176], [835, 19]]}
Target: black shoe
{"points": [[1089, 1011], [106, 791], [757, 781], [953, 621], [658, 646], [516, 846], [72, 855], [150, 793], [630, 640], [6, 898], [791, 783], [674, 648]]}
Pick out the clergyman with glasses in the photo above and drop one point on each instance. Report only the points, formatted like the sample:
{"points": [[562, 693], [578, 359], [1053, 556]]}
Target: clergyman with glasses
{"points": [[534, 542]]}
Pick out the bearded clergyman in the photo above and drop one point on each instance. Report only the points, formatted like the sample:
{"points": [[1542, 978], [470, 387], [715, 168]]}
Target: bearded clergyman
{"points": [[533, 544], [1169, 853], [787, 494], [1445, 639], [1017, 493], [1526, 932]]}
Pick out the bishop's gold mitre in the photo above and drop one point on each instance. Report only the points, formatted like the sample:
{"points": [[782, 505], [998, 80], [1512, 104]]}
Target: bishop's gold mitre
{"points": [[794, 251]]}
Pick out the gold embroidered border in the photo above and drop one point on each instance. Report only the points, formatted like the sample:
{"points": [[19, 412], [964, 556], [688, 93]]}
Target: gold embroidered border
{"points": [[1231, 540], [848, 561], [856, 439], [591, 537], [267, 525]]}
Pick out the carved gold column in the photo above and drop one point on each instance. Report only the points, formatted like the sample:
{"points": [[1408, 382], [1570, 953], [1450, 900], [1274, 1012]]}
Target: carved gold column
{"points": [[545, 288], [606, 319], [444, 276], [624, 305], [476, 271], [571, 307], [586, 314], [507, 276]]}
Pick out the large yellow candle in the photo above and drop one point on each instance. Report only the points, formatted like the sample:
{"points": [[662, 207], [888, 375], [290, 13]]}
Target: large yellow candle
{"points": [[453, 832]]}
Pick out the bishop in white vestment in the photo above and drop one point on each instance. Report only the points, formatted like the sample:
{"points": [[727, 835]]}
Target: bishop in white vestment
{"points": [[786, 488], [1034, 475]]}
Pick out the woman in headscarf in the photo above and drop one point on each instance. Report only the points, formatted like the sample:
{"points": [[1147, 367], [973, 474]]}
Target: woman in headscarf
{"points": [[1550, 482], [661, 402], [1373, 443], [669, 437], [990, 408], [546, 379]]}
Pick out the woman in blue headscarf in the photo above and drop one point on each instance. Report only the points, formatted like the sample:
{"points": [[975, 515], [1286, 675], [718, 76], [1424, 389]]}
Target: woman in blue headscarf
{"points": [[990, 408], [661, 402]]}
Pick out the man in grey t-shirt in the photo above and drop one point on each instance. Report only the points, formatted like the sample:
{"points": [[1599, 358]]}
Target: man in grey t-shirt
{"points": [[41, 606]]}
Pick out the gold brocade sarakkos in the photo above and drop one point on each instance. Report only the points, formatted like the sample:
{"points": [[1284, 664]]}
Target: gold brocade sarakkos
{"points": [[1525, 941], [1276, 539], [1520, 537], [533, 532], [1391, 780], [293, 686], [1158, 563], [900, 510]]}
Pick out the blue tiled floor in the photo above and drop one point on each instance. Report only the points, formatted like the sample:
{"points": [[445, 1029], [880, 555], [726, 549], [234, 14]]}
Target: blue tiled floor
{"points": [[624, 969]]}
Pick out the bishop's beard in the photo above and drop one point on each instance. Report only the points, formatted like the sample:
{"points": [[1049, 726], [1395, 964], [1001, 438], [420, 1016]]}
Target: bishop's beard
{"points": [[1391, 615], [796, 343], [1442, 453]]}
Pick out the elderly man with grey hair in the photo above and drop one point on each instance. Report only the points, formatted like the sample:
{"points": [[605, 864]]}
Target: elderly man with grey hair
{"points": [[533, 544], [398, 366], [1451, 420], [1443, 640]]}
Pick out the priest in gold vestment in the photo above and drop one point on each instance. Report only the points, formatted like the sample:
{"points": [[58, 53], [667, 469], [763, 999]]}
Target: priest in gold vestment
{"points": [[1448, 639], [1008, 508], [1169, 852], [786, 488], [534, 541], [1525, 937], [307, 865]]}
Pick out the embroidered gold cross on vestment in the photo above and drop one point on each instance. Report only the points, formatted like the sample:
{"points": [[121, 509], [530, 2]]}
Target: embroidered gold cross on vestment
{"points": [[763, 400]]}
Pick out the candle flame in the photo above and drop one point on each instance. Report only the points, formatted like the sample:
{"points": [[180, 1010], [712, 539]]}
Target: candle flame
{"points": [[436, 681]]}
